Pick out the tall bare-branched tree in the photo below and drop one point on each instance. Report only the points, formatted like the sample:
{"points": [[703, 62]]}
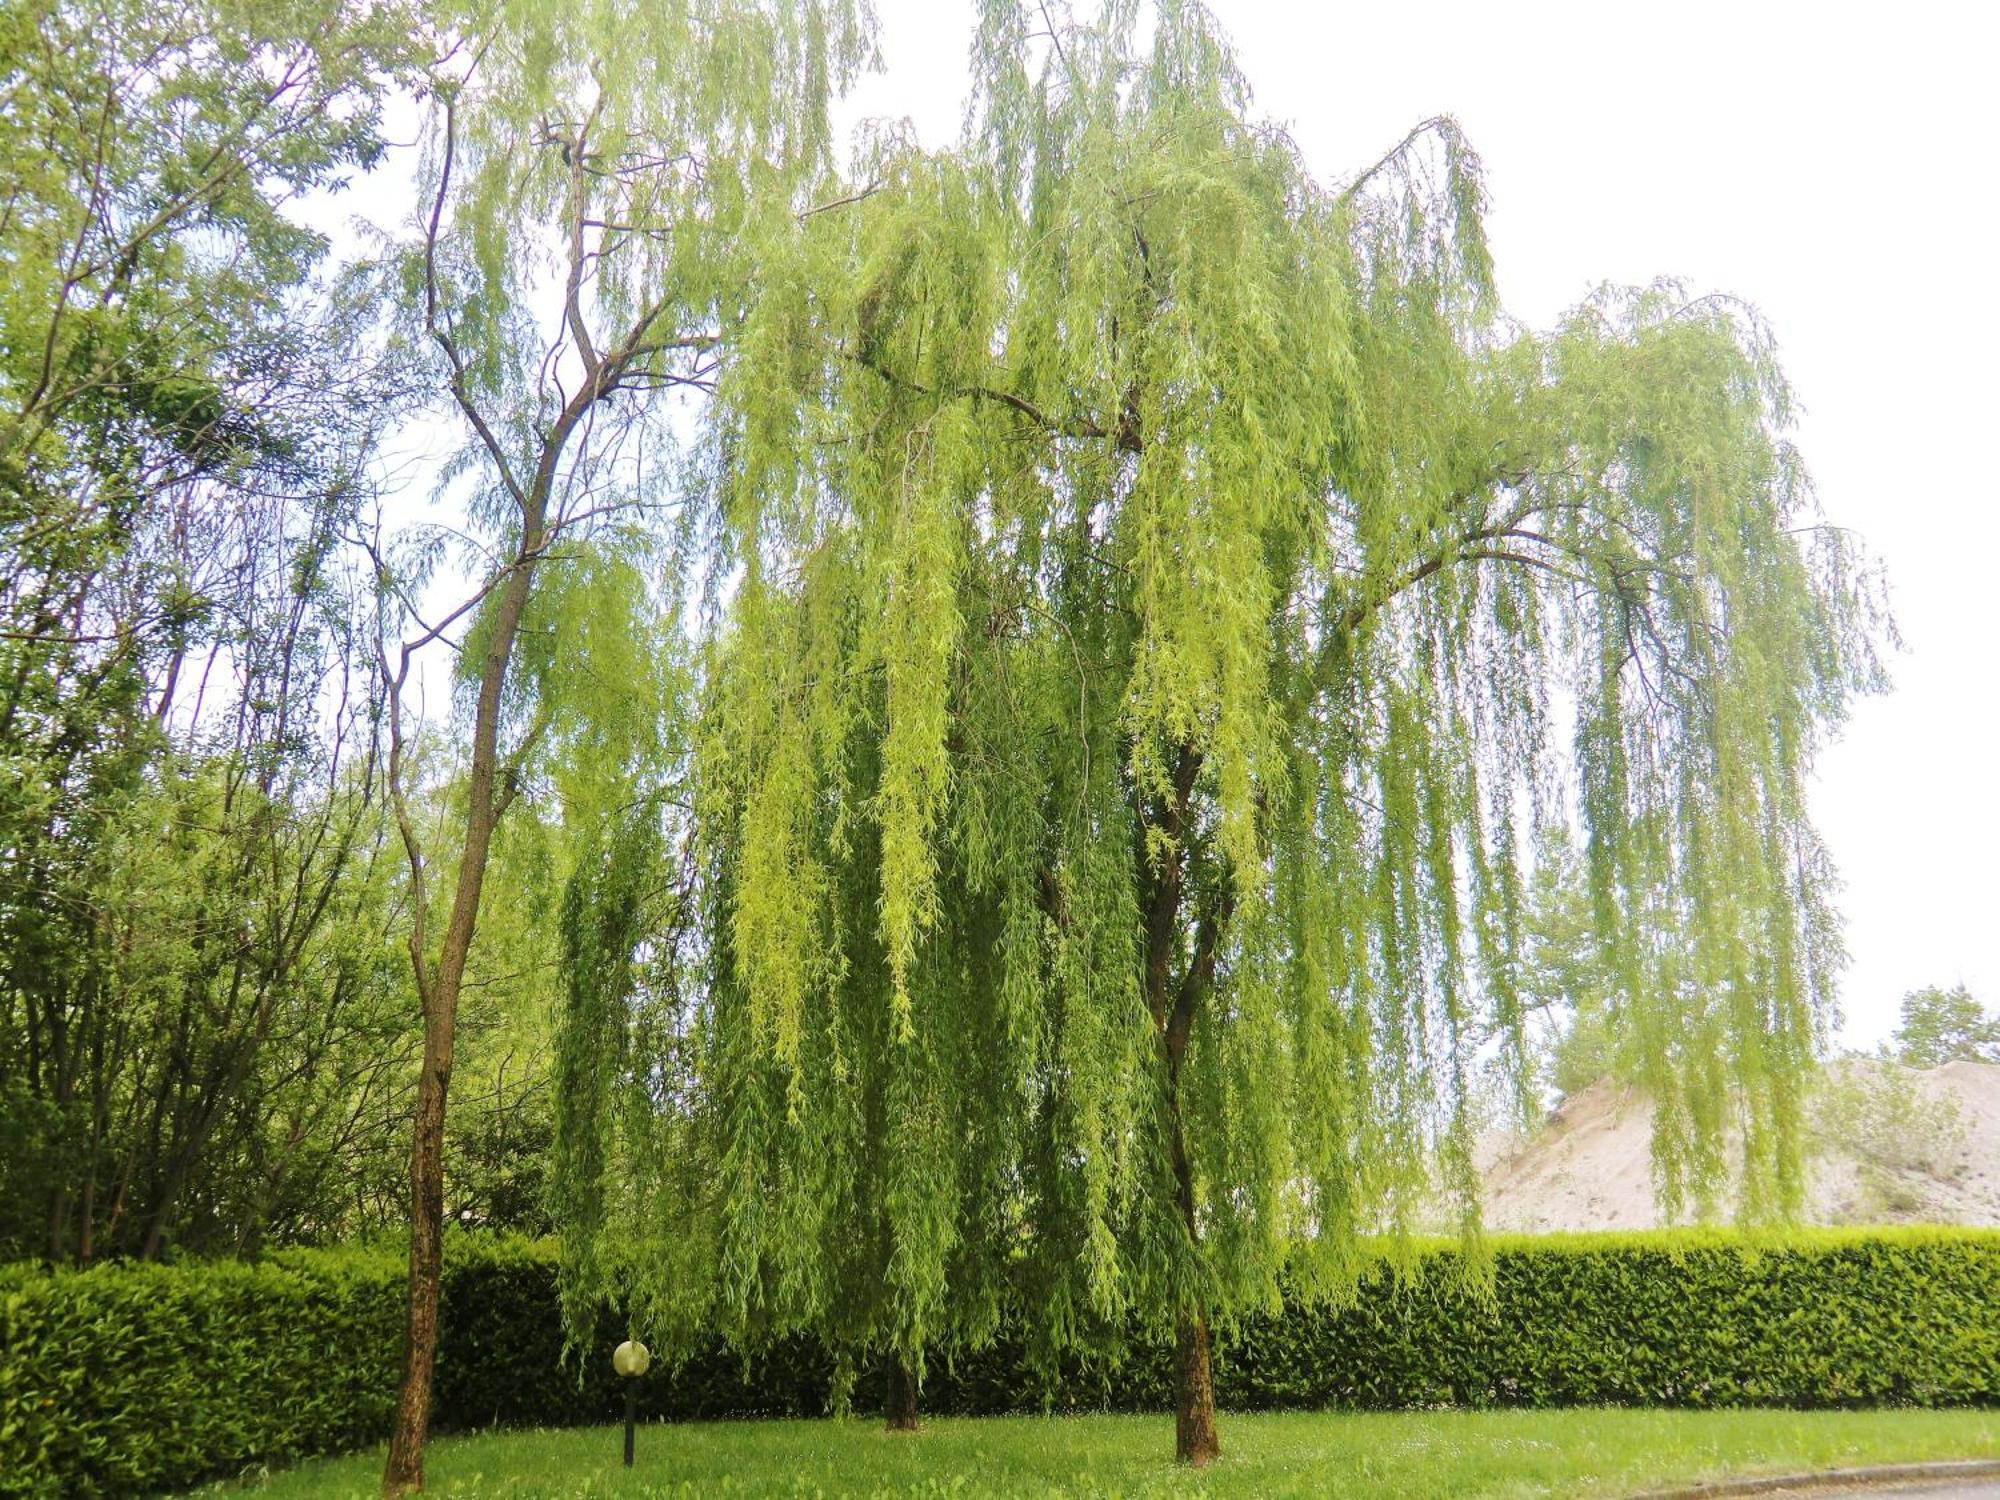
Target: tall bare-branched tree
{"points": [[599, 177]]}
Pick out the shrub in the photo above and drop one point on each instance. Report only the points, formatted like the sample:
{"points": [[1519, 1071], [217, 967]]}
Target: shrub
{"points": [[1879, 1116], [127, 1379], [1825, 1319]]}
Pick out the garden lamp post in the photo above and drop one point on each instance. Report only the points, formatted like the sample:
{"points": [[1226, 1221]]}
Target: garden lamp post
{"points": [[630, 1360]]}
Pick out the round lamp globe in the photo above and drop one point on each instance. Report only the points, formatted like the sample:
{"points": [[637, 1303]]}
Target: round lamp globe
{"points": [[631, 1358]]}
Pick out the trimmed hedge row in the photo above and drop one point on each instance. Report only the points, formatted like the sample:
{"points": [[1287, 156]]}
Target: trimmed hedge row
{"points": [[127, 1379]]}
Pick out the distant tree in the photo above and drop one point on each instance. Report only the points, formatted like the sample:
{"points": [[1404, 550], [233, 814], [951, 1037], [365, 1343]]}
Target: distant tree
{"points": [[1156, 578], [1946, 1025]]}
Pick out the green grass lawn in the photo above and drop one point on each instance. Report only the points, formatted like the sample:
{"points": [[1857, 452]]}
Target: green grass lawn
{"points": [[1407, 1456]]}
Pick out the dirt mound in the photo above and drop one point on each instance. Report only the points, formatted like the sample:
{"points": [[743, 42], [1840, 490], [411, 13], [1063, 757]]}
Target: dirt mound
{"points": [[1890, 1145]]}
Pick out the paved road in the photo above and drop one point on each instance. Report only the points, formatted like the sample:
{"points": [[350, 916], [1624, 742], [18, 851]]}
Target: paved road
{"points": [[1972, 1480], [1964, 1489]]}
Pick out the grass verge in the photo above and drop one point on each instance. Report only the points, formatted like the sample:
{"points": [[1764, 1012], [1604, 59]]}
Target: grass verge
{"points": [[1407, 1456]]}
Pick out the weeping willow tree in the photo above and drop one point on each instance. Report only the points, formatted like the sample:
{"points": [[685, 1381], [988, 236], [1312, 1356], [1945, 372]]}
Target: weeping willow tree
{"points": [[1169, 598]]}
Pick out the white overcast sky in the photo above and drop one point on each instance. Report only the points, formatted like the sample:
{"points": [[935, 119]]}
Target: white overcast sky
{"points": [[1833, 164]]}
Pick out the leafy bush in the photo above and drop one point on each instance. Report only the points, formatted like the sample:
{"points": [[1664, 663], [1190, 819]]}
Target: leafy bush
{"points": [[1877, 1114], [130, 1378], [1827, 1319], [126, 1379]]}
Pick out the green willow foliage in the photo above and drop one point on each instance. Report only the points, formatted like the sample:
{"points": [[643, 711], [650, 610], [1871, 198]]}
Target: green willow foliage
{"points": [[1169, 596], [604, 908]]}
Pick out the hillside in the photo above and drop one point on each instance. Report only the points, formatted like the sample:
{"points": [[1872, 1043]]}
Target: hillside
{"points": [[1890, 1145]]}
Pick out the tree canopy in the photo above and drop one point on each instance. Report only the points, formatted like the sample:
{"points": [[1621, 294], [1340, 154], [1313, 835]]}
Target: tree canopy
{"points": [[184, 435], [1942, 1025], [1168, 593], [1080, 691]]}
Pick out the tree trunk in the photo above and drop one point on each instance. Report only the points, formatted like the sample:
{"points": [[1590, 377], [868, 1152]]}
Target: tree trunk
{"points": [[899, 1398], [1173, 1009], [404, 1472], [1194, 1394], [1195, 1441], [410, 1426]]}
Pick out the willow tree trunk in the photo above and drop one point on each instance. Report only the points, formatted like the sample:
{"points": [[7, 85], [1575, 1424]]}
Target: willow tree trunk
{"points": [[899, 1397], [403, 1474], [1172, 1008], [1195, 1440]]}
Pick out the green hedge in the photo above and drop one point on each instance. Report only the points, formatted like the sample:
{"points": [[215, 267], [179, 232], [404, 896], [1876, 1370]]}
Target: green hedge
{"points": [[127, 1379]]}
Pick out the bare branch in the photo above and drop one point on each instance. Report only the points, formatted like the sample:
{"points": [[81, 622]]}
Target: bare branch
{"points": [[434, 319]]}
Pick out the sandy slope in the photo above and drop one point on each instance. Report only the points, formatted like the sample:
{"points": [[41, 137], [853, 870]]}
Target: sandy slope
{"points": [[1589, 1167]]}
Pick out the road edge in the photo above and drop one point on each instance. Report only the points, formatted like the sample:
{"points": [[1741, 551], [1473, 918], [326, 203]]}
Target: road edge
{"points": [[1820, 1479]]}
